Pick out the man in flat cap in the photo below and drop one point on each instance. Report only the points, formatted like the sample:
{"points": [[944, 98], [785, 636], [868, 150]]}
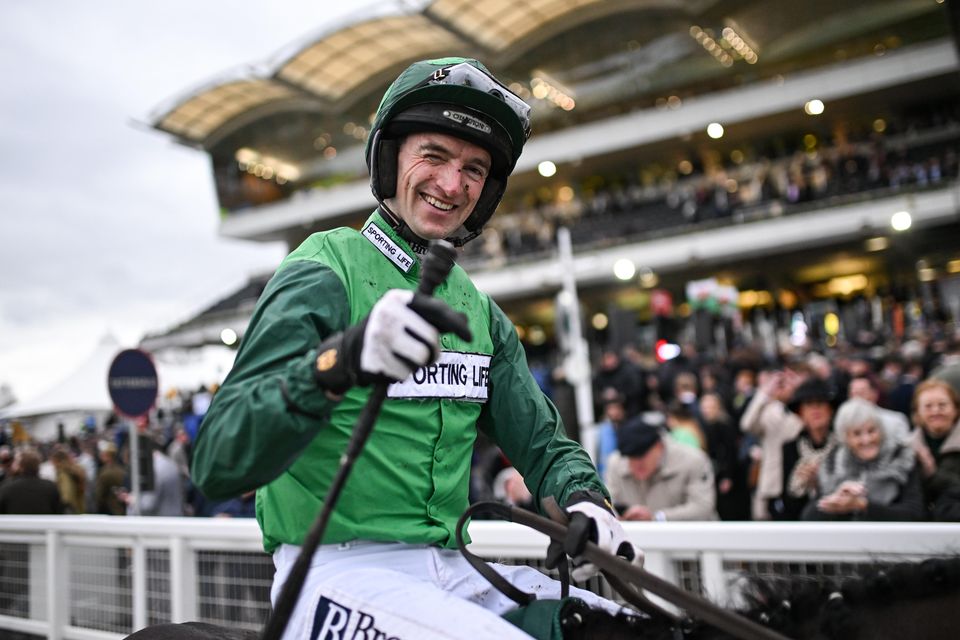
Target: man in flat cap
{"points": [[654, 477]]}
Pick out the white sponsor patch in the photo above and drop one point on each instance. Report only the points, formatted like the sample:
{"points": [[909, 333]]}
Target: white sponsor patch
{"points": [[468, 120], [464, 376], [388, 247]]}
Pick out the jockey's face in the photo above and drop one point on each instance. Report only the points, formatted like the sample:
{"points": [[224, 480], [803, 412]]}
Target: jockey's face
{"points": [[439, 179]]}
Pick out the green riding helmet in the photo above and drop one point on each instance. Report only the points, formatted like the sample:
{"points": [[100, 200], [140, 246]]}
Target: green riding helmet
{"points": [[459, 97]]}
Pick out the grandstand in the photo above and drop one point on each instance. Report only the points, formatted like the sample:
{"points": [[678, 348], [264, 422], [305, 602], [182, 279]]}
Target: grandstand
{"points": [[834, 117]]}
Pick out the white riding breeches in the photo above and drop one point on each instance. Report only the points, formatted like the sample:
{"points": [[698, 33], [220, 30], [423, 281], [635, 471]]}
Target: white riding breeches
{"points": [[387, 591]]}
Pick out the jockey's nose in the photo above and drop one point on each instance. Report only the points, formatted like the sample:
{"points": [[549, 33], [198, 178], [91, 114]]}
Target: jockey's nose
{"points": [[449, 178]]}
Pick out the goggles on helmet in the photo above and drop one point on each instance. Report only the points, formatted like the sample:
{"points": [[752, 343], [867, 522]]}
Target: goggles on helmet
{"points": [[467, 75]]}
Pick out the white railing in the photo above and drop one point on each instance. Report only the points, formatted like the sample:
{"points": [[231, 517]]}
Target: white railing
{"points": [[101, 577]]}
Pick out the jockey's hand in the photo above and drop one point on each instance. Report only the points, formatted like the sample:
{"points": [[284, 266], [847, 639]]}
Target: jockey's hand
{"points": [[400, 335], [598, 524]]}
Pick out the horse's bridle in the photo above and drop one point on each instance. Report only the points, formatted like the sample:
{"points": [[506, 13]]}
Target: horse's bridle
{"points": [[626, 578]]}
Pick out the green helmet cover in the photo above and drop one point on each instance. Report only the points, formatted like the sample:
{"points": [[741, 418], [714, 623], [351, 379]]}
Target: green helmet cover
{"points": [[438, 95]]}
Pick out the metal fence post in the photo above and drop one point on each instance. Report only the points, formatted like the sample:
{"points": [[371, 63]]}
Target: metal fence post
{"points": [[712, 578], [139, 583], [56, 593], [661, 564], [183, 581]]}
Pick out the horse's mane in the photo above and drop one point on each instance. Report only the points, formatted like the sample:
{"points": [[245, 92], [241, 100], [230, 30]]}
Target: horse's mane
{"points": [[808, 606], [790, 604]]}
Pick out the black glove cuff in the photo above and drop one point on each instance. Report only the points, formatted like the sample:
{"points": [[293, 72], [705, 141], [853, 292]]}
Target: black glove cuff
{"points": [[595, 497], [337, 362]]}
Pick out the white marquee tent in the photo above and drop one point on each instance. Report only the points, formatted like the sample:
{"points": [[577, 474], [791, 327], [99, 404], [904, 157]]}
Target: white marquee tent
{"points": [[70, 401], [83, 394]]}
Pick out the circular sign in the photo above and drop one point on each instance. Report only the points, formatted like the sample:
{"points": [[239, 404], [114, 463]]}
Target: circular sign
{"points": [[132, 381]]}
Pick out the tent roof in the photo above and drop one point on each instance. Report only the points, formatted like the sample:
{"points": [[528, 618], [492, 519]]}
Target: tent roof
{"points": [[83, 390]]}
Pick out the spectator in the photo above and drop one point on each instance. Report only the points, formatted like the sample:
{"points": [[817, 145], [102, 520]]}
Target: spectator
{"points": [[653, 477], [835, 378], [723, 447], [509, 488], [486, 462], [686, 390], [901, 379], [682, 422], [85, 457], [243, 506], [767, 419], [870, 475], [109, 482], [937, 444], [6, 462], [614, 413], [715, 379], [167, 496], [179, 451], [26, 493], [866, 388], [801, 457], [71, 481], [622, 376]]}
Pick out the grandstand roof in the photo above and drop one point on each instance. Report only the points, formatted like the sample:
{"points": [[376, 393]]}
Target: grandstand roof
{"points": [[346, 66]]}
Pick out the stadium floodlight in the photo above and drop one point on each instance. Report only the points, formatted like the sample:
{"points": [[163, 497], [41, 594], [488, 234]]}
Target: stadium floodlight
{"points": [[228, 336], [624, 269], [813, 107], [901, 221], [547, 168]]}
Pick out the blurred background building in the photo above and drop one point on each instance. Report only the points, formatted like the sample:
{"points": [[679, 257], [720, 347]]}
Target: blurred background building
{"points": [[731, 171]]}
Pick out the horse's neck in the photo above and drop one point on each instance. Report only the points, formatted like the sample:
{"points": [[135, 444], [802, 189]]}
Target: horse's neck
{"points": [[933, 618]]}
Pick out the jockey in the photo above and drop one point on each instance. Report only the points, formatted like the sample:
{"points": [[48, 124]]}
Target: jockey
{"points": [[340, 313]]}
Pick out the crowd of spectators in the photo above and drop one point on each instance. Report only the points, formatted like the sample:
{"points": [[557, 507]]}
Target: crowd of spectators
{"points": [[90, 472], [804, 435], [845, 435], [917, 151]]}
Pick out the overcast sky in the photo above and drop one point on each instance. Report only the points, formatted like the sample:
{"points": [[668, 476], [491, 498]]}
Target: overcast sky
{"points": [[106, 226]]}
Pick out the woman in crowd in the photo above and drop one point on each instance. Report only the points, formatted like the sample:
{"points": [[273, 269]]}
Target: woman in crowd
{"points": [[870, 475], [814, 403], [936, 441], [767, 419], [723, 447]]}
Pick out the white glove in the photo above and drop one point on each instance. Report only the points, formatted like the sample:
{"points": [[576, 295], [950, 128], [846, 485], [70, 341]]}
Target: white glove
{"points": [[397, 340], [400, 335], [607, 533]]}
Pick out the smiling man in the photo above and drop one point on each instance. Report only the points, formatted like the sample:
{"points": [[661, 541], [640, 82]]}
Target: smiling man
{"points": [[341, 313], [439, 180]]}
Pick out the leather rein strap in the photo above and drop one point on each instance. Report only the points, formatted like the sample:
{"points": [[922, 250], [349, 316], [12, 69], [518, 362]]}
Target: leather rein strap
{"points": [[625, 576]]}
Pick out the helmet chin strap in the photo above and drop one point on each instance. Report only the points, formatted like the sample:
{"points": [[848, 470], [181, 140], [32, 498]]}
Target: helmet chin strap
{"points": [[418, 244]]}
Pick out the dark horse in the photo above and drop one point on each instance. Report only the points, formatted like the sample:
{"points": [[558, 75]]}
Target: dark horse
{"points": [[915, 600]]}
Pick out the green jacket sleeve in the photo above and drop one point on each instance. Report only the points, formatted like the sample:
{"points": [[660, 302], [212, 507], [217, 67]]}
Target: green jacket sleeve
{"points": [[527, 426], [270, 407]]}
